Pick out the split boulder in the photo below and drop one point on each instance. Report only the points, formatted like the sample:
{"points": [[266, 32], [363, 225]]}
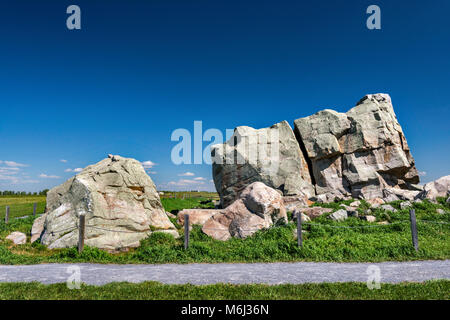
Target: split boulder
{"points": [[257, 207], [119, 201]]}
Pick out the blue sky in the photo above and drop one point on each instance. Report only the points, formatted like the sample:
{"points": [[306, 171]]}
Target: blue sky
{"points": [[138, 70]]}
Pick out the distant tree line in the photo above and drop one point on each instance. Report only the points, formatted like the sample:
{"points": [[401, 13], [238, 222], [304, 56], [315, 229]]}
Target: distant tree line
{"points": [[23, 193]]}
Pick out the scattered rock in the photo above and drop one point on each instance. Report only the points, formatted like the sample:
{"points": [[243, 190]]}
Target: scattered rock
{"points": [[235, 163], [370, 218], [383, 222], [440, 211], [400, 194], [314, 212], [437, 188], [376, 202], [357, 153], [356, 203], [388, 207], [17, 237], [329, 156], [303, 216], [389, 196], [339, 215], [293, 202], [258, 207], [404, 205], [120, 203], [196, 216], [351, 211]]}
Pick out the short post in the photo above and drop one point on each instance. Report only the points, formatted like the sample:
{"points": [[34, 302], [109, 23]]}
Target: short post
{"points": [[34, 208], [186, 231], [81, 230], [299, 229], [7, 214], [415, 239]]}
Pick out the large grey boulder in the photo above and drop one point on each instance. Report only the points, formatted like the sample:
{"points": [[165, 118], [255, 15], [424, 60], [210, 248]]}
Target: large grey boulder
{"points": [[437, 188], [269, 155], [358, 153], [119, 201], [257, 207]]}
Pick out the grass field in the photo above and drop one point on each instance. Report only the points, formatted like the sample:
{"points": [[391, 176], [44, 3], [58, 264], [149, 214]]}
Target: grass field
{"points": [[21, 205], [321, 242], [156, 291]]}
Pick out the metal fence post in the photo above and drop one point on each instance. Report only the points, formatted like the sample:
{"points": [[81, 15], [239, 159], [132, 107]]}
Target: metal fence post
{"points": [[415, 239], [7, 214], [299, 229], [81, 230], [186, 231]]}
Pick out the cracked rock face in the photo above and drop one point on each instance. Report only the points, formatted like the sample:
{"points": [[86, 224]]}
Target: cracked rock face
{"points": [[354, 154], [115, 194], [269, 155], [358, 153]]}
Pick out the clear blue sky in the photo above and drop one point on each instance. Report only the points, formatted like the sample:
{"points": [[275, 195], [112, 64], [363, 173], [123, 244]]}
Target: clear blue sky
{"points": [[137, 70]]}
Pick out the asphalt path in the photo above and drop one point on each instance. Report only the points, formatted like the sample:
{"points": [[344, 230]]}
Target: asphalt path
{"points": [[235, 273]]}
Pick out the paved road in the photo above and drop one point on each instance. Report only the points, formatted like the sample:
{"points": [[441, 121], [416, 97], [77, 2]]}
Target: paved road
{"points": [[269, 273]]}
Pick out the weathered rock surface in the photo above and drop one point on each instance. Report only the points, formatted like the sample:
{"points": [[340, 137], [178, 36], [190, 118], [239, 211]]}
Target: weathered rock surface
{"points": [[37, 228], [329, 156], [339, 215], [356, 203], [17, 237], [437, 188], [370, 218], [358, 153], [399, 194], [405, 205], [351, 211], [303, 216], [315, 212], [269, 155], [257, 207], [196, 216], [375, 202], [293, 202], [388, 207], [120, 203]]}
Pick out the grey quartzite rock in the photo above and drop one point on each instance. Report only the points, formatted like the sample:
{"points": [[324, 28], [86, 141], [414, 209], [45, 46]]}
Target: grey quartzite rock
{"points": [[258, 207], [120, 203], [330, 156], [339, 215], [237, 163]]}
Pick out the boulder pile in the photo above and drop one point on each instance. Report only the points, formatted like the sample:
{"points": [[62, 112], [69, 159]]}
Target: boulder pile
{"points": [[258, 207], [328, 156]]}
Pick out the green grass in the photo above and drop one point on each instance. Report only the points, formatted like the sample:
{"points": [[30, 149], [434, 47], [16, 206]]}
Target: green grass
{"points": [[157, 291], [173, 205], [321, 243], [21, 205]]}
